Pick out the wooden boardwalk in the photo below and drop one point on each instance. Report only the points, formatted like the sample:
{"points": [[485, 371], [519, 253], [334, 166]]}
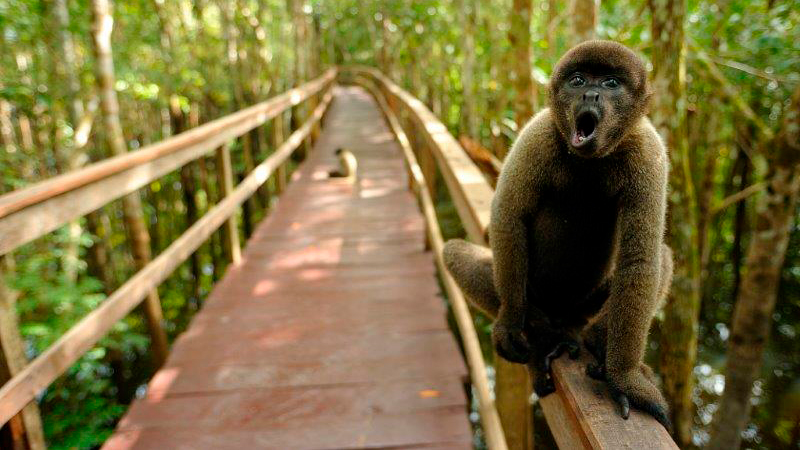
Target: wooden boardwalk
{"points": [[331, 333]]}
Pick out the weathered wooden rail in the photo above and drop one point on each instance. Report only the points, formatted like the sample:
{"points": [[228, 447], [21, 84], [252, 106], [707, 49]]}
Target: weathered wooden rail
{"points": [[580, 413], [32, 212]]}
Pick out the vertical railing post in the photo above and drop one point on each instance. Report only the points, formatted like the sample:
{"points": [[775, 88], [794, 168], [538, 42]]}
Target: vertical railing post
{"points": [[225, 179], [316, 129], [25, 428], [512, 391], [426, 162], [277, 139], [155, 326]]}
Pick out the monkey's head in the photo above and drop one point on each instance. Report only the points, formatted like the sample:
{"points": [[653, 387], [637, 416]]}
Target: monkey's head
{"points": [[597, 92]]}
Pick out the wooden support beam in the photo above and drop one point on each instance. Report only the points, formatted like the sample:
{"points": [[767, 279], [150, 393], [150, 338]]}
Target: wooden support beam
{"points": [[580, 413], [231, 245], [37, 375]]}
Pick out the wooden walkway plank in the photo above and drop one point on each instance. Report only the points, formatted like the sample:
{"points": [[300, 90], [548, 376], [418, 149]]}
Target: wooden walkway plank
{"points": [[331, 333]]}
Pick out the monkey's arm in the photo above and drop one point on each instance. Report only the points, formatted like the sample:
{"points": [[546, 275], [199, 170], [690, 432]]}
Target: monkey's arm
{"points": [[634, 290], [513, 200]]}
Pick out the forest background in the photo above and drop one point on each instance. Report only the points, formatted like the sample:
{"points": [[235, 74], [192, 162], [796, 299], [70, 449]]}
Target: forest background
{"points": [[726, 76]]}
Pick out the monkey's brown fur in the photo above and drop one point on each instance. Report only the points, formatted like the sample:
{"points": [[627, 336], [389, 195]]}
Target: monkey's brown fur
{"points": [[576, 231]]}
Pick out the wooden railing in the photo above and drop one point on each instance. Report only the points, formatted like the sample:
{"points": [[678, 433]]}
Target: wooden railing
{"points": [[32, 212], [580, 413]]}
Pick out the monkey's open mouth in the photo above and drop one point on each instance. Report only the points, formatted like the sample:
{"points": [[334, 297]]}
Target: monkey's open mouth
{"points": [[585, 125]]}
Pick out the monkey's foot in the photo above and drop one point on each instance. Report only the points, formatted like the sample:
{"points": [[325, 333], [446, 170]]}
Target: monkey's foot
{"points": [[511, 343], [634, 388], [543, 381]]}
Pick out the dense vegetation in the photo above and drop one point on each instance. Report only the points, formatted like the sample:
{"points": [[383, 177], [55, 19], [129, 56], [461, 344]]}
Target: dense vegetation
{"points": [[724, 73]]}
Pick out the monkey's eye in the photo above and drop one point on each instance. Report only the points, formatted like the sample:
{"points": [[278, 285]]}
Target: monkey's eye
{"points": [[610, 83], [577, 81]]}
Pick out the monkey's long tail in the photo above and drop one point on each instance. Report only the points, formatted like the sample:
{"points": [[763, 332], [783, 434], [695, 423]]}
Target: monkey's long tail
{"points": [[471, 267]]}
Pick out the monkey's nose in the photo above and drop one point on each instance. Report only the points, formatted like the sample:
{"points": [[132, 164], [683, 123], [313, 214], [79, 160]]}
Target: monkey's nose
{"points": [[591, 96]]}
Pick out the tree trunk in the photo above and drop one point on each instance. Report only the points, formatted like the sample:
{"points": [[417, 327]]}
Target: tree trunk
{"points": [[469, 12], [710, 124], [131, 204], [752, 316], [24, 430], [177, 121], [73, 157], [742, 168], [550, 32], [584, 19], [513, 387], [520, 37], [231, 36], [678, 347], [301, 63], [101, 265], [7, 138]]}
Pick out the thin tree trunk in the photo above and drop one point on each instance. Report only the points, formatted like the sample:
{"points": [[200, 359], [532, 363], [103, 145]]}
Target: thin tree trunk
{"points": [[7, 137], [513, 387], [678, 349], [520, 37], [469, 12], [742, 168], [131, 204], [101, 265], [73, 157], [550, 32], [706, 192], [24, 430], [388, 62], [231, 35], [584, 19], [752, 316], [301, 63], [177, 126]]}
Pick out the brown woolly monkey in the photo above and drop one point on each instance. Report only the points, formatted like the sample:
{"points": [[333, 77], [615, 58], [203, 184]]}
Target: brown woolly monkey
{"points": [[576, 230], [348, 165]]}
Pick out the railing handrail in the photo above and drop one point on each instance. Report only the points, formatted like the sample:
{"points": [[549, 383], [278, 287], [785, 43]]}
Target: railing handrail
{"points": [[39, 373], [33, 211], [580, 413]]}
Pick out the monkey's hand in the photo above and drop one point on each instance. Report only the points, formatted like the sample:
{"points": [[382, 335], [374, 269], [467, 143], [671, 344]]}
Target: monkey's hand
{"points": [[510, 341], [633, 387], [549, 345]]}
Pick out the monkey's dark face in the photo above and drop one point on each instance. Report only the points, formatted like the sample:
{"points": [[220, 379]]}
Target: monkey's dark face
{"points": [[598, 92], [595, 106]]}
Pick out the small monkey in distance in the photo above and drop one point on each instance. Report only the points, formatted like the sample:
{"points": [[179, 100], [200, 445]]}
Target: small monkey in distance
{"points": [[348, 165], [577, 229]]}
